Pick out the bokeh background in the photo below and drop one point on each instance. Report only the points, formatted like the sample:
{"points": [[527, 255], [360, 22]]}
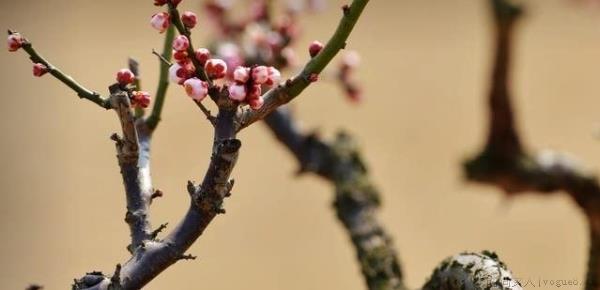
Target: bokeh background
{"points": [[425, 70]]}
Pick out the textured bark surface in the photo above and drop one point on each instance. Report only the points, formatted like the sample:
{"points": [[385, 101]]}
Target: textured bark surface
{"points": [[356, 199], [471, 271]]}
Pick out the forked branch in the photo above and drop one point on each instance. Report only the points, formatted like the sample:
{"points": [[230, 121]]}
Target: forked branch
{"points": [[505, 164]]}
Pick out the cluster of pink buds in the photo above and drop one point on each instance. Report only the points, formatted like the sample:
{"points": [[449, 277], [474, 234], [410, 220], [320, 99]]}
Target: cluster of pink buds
{"points": [[39, 69], [140, 99], [183, 71], [15, 41], [248, 81]]}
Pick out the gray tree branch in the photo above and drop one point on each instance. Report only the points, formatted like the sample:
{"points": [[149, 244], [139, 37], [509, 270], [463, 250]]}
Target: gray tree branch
{"points": [[505, 164]]}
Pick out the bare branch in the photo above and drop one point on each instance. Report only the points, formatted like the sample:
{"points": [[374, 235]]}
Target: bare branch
{"points": [[133, 155], [81, 91], [356, 199], [292, 88], [155, 256], [505, 164]]}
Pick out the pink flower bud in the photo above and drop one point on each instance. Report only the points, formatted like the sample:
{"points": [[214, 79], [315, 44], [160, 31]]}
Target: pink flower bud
{"points": [[125, 76], [215, 68], [140, 99], [196, 89], [160, 21], [260, 74], [189, 19], [39, 69], [179, 73], [180, 56], [181, 42], [314, 48], [202, 55], [241, 74], [237, 92], [160, 2], [313, 77], [256, 103], [274, 76], [254, 92], [15, 41]]}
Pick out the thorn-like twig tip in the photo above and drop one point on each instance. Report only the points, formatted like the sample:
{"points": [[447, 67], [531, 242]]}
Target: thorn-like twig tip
{"points": [[157, 193], [187, 257], [155, 233]]}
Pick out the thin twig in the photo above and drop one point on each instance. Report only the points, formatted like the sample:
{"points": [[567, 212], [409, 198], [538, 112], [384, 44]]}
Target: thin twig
{"points": [[206, 112], [163, 81], [81, 91]]}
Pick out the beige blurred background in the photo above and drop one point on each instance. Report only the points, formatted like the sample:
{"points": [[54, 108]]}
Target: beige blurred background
{"points": [[425, 69]]}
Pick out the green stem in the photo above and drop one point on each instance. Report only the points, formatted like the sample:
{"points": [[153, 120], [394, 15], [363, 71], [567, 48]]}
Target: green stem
{"points": [[163, 82], [81, 91], [284, 94]]}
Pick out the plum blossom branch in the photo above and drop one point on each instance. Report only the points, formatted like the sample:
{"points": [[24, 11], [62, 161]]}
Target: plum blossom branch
{"points": [[183, 30], [37, 59], [293, 87], [505, 164]]}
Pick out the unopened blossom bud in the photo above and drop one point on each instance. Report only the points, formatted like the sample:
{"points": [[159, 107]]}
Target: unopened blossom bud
{"points": [[351, 59], [125, 77], [196, 88], [189, 19], [140, 99], [256, 103], [15, 41], [181, 42], [241, 74], [160, 2], [237, 92], [215, 68], [179, 73], [274, 76], [202, 55], [313, 77], [260, 74], [39, 69], [160, 21], [254, 92], [314, 48], [180, 56]]}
